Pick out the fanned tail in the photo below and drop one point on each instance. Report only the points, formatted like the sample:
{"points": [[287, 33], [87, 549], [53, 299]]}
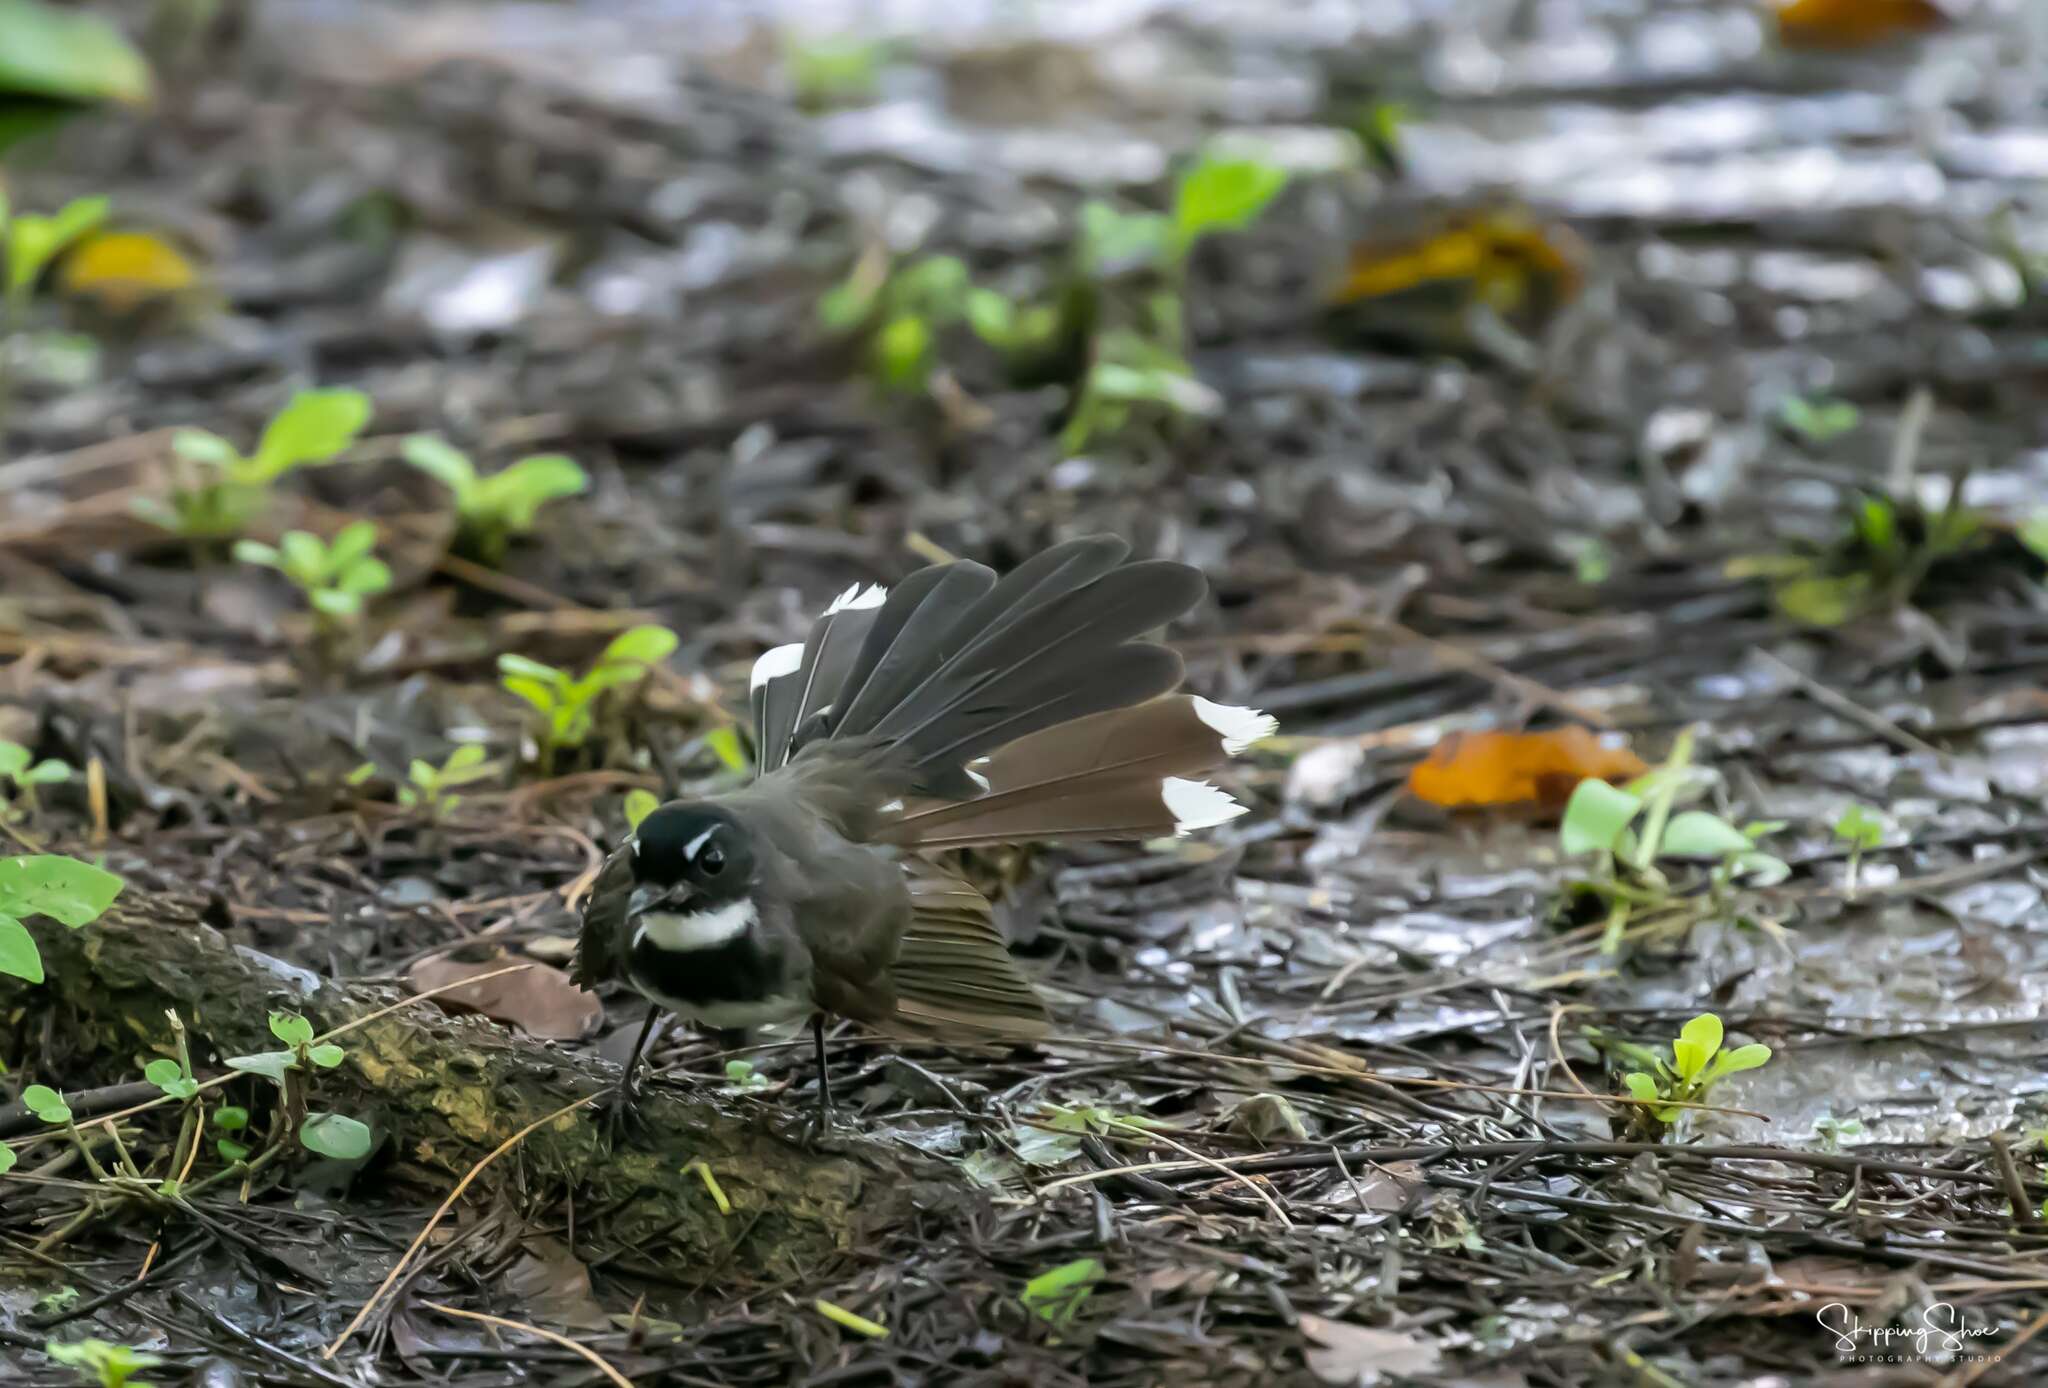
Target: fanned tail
{"points": [[954, 976]]}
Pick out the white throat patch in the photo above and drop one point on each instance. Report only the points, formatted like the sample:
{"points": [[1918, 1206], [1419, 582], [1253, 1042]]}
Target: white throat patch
{"points": [[695, 930]]}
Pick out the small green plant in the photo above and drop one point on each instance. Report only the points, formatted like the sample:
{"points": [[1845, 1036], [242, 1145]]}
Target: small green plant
{"points": [[433, 788], [494, 510], [231, 1118], [1830, 1130], [1057, 1295], [172, 1077], [742, 1078], [1817, 419], [19, 769], [1698, 1062], [67, 891], [904, 311], [46, 1104], [833, 71], [325, 1134], [101, 1363], [33, 241], [335, 576], [216, 491], [1635, 831], [1886, 549], [568, 704], [1862, 829]]}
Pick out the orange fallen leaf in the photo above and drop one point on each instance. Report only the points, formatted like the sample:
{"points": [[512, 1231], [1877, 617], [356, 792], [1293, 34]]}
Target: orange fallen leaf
{"points": [[1471, 770], [124, 269], [1853, 23], [538, 999], [1502, 259]]}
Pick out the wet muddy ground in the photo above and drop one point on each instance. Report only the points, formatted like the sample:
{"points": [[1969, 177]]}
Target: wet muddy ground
{"points": [[1325, 1104]]}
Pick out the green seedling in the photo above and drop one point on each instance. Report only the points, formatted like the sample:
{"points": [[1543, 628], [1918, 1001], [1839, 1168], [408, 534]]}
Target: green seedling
{"points": [[640, 804], [324, 1134], [1132, 371], [33, 241], [568, 704], [1698, 1062], [174, 1079], [494, 510], [21, 771], [433, 788], [903, 311], [46, 1104], [1817, 419], [67, 891], [741, 1077], [1862, 829], [1057, 1295], [1221, 194], [102, 1364], [1830, 1131], [833, 71], [216, 491], [1636, 832], [1886, 549], [334, 575]]}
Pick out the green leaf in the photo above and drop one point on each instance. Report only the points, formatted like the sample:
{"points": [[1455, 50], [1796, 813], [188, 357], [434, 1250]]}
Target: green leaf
{"points": [[271, 1064], [232, 1118], [1741, 1058], [291, 1028], [1642, 1086], [19, 956], [517, 494], [521, 667], [639, 805], [465, 757], [354, 540], [1594, 817], [1697, 834], [1860, 827], [256, 552], [365, 577], [1056, 1294], [14, 759], [326, 1055], [1113, 240], [646, 645], [46, 773], [443, 462], [113, 1365], [33, 241], [46, 1104], [313, 428], [1821, 601], [7, 1159], [992, 316], [541, 695], [305, 557], [725, 745], [902, 351], [230, 1150], [199, 446], [335, 1135], [335, 602], [1222, 195], [61, 888], [1697, 1044], [1877, 524], [66, 54], [1818, 420], [933, 289], [170, 1077]]}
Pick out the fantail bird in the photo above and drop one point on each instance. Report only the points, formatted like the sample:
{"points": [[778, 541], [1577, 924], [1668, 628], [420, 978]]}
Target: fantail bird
{"points": [[954, 711]]}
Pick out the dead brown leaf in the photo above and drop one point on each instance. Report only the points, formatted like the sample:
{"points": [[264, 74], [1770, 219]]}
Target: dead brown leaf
{"points": [[539, 999], [1358, 1356]]}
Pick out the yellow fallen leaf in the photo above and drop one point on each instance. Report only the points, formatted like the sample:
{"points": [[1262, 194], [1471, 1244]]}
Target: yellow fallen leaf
{"points": [[122, 270], [1502, 259], [1853, 23], [1474, 770]]}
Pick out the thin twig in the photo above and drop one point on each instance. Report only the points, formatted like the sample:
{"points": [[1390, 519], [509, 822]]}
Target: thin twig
{"points": [[550, 1336]]}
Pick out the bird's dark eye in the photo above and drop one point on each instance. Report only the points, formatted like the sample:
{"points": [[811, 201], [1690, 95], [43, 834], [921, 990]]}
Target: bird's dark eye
{"points": [[711, 861]]}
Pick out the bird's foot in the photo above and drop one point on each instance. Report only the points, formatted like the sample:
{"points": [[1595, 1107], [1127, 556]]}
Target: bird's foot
{"points": [[619, 1114]]}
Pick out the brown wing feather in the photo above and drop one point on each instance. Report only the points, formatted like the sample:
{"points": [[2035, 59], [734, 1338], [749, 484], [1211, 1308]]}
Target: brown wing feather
{"points": [[1094, 778], [601, 944], [954, 976]]}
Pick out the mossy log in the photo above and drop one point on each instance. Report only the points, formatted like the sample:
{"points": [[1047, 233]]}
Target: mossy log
{"points": [[447, 1090]]}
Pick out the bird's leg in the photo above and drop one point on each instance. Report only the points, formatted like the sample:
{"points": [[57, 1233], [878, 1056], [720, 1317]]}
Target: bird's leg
{"points": [[824, 1075], [619, 1108]]}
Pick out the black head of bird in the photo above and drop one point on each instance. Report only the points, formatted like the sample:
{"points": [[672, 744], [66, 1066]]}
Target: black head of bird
{"points": [[955, 711]]}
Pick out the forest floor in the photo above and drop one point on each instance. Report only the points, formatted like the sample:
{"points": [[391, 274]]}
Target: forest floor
{"points": [[1742, 472]]}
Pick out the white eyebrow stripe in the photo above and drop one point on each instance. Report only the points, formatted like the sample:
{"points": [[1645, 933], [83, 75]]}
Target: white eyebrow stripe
{"points": [[690, 848]]}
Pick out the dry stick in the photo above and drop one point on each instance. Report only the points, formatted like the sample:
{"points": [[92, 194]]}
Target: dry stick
{"points": [[2023, 1209], [1848, 708], [412, 1249], [1234, 1177], [550, 1336]]}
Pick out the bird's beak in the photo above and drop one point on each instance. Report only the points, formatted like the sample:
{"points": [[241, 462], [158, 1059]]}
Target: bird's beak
{"points": [[647, 896]]}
